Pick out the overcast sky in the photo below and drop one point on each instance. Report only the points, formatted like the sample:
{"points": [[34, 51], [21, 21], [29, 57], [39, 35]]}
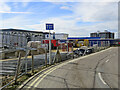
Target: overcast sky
{"points": [[76, 17]]}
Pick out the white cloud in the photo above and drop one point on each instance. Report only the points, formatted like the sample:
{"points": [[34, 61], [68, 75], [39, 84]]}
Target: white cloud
{"points": [[92, 12], [65, 7], [70, 27], [59, 1], [5, 8], [105, 13], [60, 24], [15, 12], [17, 21]]}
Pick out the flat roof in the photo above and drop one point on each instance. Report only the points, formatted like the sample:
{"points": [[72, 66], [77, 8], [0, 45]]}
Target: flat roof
{"points": [[20, 30], [55, 33], [101, 32], [83, 37]]}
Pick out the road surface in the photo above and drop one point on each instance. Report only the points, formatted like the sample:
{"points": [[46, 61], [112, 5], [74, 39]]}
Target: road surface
{"points": [[98, 70]]}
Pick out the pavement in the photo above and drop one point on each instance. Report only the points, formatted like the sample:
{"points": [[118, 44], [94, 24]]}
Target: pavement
{"points": [[97, 70]]}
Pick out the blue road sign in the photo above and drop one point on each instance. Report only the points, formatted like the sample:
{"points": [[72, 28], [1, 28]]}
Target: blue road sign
{"points": [[49, 26]]}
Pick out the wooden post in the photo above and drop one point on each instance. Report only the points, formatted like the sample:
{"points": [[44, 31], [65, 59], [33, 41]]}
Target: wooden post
{"points": [[46, 57], [32, 63], [18, 68], [57, 57], [60, 58]]}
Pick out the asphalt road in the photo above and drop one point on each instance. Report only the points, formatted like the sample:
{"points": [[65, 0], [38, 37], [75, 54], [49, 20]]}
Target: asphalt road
{"points": [[98, 70]]}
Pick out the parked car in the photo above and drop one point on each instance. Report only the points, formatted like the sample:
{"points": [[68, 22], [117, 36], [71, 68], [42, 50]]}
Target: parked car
{"points": [[79, 52], [89, 51]]}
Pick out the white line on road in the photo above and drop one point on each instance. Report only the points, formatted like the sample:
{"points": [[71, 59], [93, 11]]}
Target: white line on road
{"points": [[37, 83], [50, 70], [107, 60], [99, 74]]}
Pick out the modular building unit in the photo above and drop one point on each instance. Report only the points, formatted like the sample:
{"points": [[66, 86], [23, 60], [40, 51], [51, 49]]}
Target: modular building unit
{"points": [[104, 35]]}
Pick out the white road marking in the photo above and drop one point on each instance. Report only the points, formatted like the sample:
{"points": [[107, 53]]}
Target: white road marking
{"points": [[54, 68], [107, 60], [65, 64], [99, 74]]}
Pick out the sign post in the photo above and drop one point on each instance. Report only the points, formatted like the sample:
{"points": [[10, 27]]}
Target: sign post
{"points": [[49, 27]]}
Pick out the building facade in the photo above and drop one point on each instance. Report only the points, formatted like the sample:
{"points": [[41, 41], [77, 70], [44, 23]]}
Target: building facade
{"points": [[61, 36], [18, 38], [103, 35]]}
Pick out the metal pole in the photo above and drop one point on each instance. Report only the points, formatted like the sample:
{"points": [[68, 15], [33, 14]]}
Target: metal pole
{"points": [[26, 64], [72, 53], [46, 57], [97, 46], [67, 46], [89, 44], [104, 44], [3, 40], [32, 63], [49, 49], [108, 43], [18, 68], [93, 43], [17, 39], [57, 57]]}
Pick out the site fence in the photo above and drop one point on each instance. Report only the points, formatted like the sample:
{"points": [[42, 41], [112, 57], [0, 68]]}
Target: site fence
{"points": [[27, 59]]}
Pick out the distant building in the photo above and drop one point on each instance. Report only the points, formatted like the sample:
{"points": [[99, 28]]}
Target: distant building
{"points": [[104, 35], [82, 38], [18, 38], [60, 36]]}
